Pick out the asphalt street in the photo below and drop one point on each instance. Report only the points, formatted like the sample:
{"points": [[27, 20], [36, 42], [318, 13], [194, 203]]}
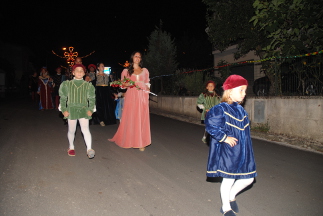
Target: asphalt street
{"points": [[39, 178]]}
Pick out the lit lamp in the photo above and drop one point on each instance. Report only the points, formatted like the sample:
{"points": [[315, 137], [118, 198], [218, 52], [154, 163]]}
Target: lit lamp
{"points": [[70, 56]]}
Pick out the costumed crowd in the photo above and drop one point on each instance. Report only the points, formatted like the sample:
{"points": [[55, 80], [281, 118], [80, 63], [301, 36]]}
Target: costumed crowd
{"points": [[87, 95]]}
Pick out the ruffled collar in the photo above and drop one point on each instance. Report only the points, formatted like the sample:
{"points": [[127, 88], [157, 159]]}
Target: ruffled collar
{"points": [[209, 93], [77, 79]]}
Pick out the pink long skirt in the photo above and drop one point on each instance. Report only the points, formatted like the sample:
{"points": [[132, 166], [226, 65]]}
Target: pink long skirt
{"points": [[134, 128]]}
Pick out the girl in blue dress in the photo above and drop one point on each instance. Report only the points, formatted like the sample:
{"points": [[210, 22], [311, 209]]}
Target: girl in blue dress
{"points": [[231, 154]]}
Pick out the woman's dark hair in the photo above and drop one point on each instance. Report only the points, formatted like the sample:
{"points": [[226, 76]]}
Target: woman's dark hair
{"points": [[130, 67], [97, 65]]}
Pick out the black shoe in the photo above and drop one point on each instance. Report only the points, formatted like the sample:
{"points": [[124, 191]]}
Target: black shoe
{"points": [[234, 206], [228, 213]]}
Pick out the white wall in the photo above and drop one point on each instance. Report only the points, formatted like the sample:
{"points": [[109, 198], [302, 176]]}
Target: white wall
{"points": [[294, 116]]}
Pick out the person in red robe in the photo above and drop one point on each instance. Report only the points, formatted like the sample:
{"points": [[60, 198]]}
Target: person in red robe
{"points": [[45, 89]]}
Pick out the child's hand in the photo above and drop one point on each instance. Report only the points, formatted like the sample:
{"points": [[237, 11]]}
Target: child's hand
{"points": [[231, 141], [66, 114], [87, 79], [89, 113], [201, 106]]}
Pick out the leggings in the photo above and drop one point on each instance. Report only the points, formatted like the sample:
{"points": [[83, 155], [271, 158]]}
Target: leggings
{"points": [[84, 123], [230, 188]]}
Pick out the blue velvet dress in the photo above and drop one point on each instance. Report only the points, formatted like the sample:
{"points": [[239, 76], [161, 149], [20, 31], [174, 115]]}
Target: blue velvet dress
{"points": [[236, 162]]}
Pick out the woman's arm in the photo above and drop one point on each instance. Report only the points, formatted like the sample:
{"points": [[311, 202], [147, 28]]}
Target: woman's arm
{"points": [[124, 74], [147, 80]]}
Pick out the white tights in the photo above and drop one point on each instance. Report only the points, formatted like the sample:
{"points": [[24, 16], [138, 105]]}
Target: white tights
{"points": [[230, 188], [84, 123]]}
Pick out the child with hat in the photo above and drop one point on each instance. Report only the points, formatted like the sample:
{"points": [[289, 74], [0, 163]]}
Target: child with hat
{"points": [[206, 101], [231, 154], [92, 73], [77, 103]]}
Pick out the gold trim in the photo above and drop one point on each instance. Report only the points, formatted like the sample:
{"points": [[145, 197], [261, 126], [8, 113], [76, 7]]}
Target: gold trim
{"points": [[240, 120], [224, 137], [231, 173], [80, 85], [237, 126]]}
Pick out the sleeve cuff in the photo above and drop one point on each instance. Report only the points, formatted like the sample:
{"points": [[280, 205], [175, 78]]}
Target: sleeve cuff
{"points": [[223, 138]]}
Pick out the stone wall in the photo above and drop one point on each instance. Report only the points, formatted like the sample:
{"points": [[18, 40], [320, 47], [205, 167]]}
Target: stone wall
{"points": [[293, 116]]}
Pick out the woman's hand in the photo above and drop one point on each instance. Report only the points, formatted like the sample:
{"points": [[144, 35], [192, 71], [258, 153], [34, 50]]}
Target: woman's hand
{"points": [[89, 113], [66, 114], [126, 84], [231, 141]]}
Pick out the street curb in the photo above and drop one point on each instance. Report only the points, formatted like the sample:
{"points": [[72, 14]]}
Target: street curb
{"points": [[198, 122]]}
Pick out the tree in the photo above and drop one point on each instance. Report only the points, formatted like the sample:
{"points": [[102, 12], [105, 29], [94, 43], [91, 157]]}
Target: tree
{"points": [[270, 27], [291, 26], [228, 24], [161, 55]]}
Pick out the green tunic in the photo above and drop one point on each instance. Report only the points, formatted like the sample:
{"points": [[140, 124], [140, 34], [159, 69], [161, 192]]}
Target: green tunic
{"points": [[77, 97], [208, 100]]}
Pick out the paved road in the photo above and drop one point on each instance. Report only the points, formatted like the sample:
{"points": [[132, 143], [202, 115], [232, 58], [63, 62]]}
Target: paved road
{"points": [[38, 178]]}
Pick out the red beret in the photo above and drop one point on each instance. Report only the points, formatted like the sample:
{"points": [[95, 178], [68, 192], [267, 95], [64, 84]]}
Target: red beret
{"points": [[234, 81], [78, 65], [91, 65], [210, 81]]}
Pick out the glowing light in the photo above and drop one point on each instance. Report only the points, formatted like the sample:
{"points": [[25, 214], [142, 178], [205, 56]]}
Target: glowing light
{"points": [[71, 55]]}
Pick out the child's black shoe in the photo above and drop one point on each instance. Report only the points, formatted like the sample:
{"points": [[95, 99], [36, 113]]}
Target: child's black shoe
{"points": [[228, 213], [234, 206]]}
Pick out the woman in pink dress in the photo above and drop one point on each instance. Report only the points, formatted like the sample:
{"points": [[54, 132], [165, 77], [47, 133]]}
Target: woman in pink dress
{"points": [[134, 129]]}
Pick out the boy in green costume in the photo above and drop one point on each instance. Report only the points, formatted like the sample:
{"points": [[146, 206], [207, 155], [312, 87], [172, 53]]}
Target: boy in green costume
{"points": [[77, 103]]}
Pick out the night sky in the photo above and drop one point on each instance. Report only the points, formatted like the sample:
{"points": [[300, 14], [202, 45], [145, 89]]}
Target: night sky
{"points": [[112, 28]]}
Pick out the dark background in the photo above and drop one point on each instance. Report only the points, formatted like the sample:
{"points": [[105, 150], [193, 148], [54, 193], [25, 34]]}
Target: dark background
{"points": [[113, 29]]}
